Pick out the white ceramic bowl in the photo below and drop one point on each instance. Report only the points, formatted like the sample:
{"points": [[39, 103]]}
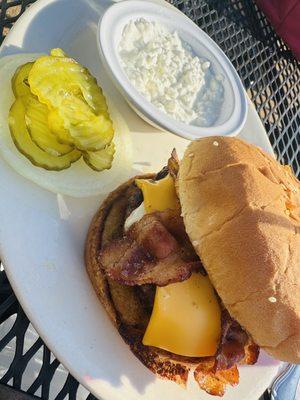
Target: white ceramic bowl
{"points": [[234, 109]]}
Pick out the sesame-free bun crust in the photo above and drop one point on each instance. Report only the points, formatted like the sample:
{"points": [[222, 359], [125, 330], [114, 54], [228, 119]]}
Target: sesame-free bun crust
{"points": [[241, 210]]}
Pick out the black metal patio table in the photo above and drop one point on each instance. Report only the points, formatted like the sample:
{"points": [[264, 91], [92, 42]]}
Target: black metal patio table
{"points": [[271, 76]]}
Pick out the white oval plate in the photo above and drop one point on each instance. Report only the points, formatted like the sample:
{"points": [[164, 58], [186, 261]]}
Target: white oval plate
{"points": [[42, 235]]}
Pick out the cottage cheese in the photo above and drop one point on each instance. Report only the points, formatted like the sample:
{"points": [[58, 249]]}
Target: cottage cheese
{"points": [[167, 73]]}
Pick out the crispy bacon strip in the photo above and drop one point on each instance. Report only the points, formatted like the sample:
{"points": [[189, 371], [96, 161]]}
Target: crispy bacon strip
{"points": [[161, 364], [155, 250], [235, 345], [154, 237], [169, 224], [215, 383], [251, 353], [232, 345]]}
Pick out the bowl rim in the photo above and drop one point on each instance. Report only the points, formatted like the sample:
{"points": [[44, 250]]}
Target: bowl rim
{"points": [[145, 109]]}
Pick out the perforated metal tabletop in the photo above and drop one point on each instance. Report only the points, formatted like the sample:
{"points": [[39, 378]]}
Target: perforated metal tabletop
{"points": [[271, 76]]}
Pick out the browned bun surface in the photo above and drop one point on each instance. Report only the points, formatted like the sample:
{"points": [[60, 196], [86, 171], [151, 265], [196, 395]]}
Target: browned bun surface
{"points": [[241, 210], [127, 306]]}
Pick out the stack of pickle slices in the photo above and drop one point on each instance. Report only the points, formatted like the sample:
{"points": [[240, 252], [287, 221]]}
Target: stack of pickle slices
{"points": [[60, 115]]}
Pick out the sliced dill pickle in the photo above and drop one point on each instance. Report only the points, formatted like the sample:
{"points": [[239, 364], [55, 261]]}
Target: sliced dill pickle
{"points": [[29, 149], [57, 53], [36, 118], [100, 160], [19, 82], [98, 101], [74, 109], [56, 126], [92, 135], [52, 78], [90, 132]]}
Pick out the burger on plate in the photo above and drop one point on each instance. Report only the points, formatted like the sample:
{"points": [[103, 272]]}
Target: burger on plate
{"points": [[198, 266]]}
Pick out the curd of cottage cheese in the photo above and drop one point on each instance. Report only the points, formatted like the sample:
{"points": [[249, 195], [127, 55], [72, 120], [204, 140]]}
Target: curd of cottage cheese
{"points": [[165, 70]]}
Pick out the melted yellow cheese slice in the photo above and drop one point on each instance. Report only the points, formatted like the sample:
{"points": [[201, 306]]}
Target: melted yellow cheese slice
{"points": [[159, 195], [186, 317]]}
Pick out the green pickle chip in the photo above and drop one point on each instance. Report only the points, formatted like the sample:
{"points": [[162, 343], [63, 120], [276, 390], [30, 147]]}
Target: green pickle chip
{"points": [[56, 126], [100, 160], [29, 149], [59, 114], [36, 118], [19, 82], [52, 78]]}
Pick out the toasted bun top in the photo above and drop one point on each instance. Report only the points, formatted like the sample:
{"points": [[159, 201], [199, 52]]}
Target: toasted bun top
{"points": [[241, 210]]}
